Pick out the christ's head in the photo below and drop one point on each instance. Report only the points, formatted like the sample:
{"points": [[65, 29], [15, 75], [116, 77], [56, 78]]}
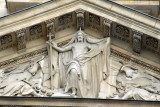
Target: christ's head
{"points": [[80, 37]]}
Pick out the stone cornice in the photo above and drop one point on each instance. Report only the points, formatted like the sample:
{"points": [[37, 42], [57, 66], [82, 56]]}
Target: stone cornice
{"points": [[106, 9]]}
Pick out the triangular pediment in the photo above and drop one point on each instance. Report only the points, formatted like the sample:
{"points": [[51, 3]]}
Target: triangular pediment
{"points": [[27, 35]]}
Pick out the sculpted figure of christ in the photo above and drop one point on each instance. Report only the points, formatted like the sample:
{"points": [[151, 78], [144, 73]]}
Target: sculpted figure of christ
{"points": [[83, 52]]}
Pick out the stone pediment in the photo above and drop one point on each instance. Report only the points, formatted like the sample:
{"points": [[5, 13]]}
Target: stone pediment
{"points": [[135, 38]]}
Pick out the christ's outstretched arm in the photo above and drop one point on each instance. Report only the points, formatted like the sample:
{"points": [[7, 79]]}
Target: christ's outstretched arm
{"points": [[54, 45], [92, 41]]}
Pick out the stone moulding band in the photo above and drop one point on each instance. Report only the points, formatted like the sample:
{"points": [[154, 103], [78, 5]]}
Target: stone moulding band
{"points": [[43, 51], [126, 57], [23, 58]]}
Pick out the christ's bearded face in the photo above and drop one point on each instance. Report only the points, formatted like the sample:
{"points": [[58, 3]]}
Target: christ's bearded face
{"points": [[80, 37]]}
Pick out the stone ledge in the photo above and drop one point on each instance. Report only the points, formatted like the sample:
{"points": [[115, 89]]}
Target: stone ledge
{"points": [[53, 101]]}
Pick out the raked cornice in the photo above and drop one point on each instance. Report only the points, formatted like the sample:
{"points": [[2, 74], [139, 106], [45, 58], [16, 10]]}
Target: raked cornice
{"points": [[107, 9]]}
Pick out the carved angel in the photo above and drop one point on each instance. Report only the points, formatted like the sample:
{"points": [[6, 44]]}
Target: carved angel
{"points": [[21, 81], [133, 84]]}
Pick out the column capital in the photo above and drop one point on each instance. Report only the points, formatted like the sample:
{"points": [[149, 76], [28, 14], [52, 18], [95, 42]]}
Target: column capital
{"points": [[20, 32], [107, 22]]}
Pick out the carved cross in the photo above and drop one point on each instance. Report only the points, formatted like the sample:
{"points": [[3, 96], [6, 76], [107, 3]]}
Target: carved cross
{"points": [[50, 28], [50, 35], [21, 40]]}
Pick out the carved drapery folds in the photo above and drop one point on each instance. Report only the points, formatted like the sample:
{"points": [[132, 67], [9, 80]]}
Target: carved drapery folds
{"points": [[137, 41], [21, 40], [80, 18], [50, 28], [107, 27]]}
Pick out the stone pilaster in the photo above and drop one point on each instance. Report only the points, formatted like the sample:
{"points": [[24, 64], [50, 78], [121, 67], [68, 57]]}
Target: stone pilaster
{"points": [[20, 34], [50, 28], [80, 19], [107, 27], [137, 39]]}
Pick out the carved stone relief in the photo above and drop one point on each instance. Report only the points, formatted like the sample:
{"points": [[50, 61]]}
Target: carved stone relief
{"points": [[33, 79], [30, 79], [6, 41], [151, 44], [50, 28], [122, 33], [21, 39], [94, 21], [78, 70], [65, 21], [107, 27], [80, 19], [35, 31], [135, 84], [137, 41]]}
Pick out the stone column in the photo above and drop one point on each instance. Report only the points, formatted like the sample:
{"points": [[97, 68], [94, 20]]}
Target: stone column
{"points": [[80, 19], [107, 27], [50, 28], [137, 39], [21, 40]]}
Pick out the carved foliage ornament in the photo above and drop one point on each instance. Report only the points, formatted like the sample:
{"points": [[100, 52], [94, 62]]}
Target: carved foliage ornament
{"points": [[122, 31], [65, 19], [35, 29], [94, 19], [152, 42], [5, 39]]}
